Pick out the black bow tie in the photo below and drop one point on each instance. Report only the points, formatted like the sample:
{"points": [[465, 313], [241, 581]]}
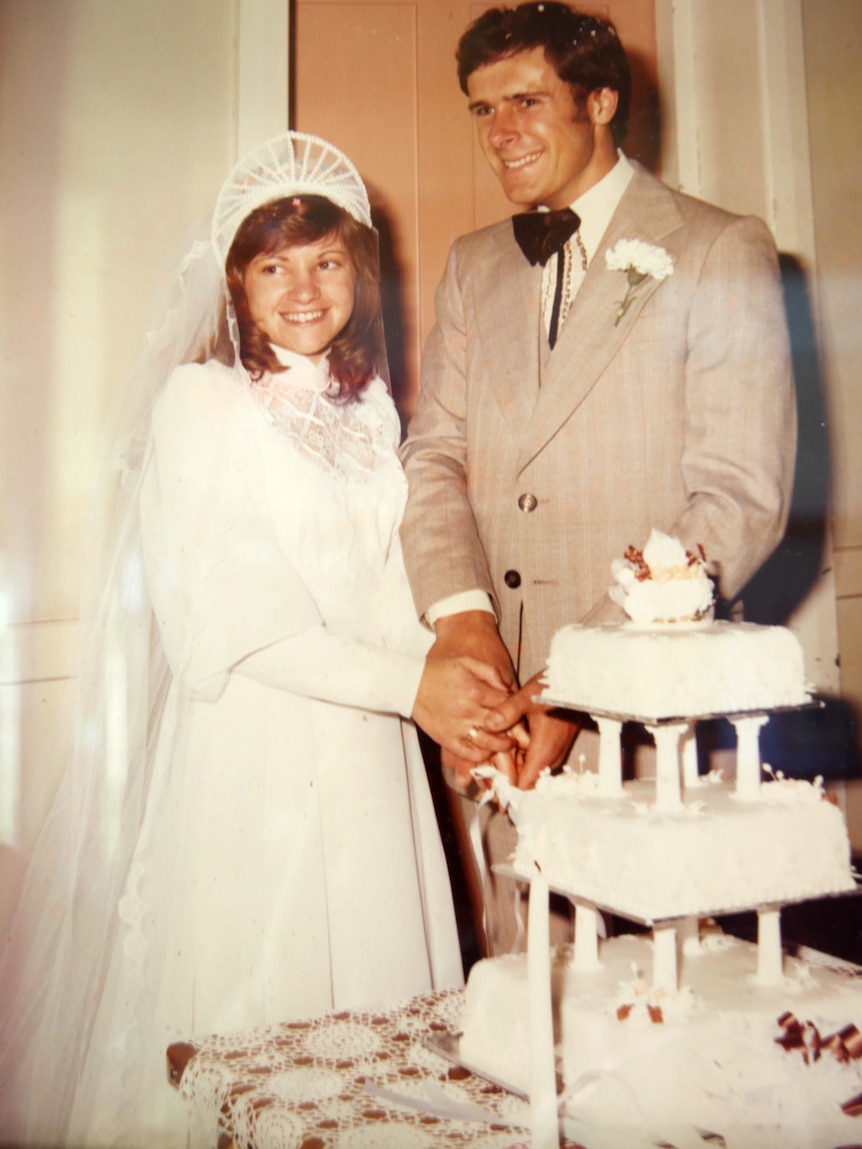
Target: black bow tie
{"points": [[540, 234]]}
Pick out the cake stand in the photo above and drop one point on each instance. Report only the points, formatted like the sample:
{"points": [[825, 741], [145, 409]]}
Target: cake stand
{"points": [[676, 747], [676, 770]]}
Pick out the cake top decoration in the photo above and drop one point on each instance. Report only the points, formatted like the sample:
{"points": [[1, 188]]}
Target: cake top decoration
{"points": [[663, 583]]}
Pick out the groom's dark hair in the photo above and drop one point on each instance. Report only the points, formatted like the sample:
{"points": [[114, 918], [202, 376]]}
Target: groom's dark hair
{"points": [[585, 51]]}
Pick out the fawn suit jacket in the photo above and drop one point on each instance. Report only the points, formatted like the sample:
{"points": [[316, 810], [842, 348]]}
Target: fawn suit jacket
{"points": [[530, 470]]}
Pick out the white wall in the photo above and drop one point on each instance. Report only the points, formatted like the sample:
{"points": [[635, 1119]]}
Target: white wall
{"points": [[117, 125]]}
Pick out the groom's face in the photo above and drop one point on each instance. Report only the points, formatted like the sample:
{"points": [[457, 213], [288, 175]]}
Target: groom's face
{"points": [[540, 143]]}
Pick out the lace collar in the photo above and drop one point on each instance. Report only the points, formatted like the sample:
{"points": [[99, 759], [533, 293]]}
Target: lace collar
{"points": [[300, 373], [350, 440]]}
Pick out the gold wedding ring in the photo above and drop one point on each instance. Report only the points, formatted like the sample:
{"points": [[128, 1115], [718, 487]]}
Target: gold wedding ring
{"points": [[472, 733]]}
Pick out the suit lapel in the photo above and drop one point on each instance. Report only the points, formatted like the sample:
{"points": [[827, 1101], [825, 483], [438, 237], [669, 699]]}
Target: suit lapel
{"points": [[512, 287], [590, 339]]}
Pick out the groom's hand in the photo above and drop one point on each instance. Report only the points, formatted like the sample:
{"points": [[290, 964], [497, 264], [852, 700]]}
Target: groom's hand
{"points": [[455, 696], [473, 632], [458, 721]]}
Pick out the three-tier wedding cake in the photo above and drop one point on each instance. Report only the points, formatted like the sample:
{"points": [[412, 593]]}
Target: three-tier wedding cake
{"points": [[682, 1034]]}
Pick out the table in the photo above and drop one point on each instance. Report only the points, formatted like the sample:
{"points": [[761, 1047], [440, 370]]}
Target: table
{"points": [[348, 1080]]}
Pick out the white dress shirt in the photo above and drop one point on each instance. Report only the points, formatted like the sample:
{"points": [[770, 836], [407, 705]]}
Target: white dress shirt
{"points": [[594, 209]]}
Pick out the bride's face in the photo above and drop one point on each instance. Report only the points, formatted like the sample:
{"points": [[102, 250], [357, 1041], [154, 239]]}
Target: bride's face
{"points": [[302, 297]]}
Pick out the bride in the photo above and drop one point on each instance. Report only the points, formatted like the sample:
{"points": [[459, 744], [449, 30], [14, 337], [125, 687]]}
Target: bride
{"points": [[244, 834]]}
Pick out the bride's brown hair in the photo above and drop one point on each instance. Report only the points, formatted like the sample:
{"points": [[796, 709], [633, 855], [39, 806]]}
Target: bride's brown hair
{"points": [[356, 352]]}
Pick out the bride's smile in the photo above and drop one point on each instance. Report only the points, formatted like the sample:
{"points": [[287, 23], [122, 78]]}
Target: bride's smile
{"points": [[301, 297]]}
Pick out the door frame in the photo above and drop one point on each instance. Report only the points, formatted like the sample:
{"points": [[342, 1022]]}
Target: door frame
{"points": [[262, 71]]}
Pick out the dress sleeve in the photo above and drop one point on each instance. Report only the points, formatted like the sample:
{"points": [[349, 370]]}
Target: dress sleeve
{"points": [[225, 595], [335, 668]]}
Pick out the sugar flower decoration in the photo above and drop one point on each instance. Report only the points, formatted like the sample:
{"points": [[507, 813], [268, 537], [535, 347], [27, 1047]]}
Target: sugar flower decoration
{"points": [[638, 260], [663, 583]]}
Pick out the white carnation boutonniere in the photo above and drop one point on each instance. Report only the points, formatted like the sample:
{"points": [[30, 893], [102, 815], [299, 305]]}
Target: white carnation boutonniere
{"points": [[638, 260]]}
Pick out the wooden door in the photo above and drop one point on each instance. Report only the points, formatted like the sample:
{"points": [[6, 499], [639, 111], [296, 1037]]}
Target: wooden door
{"points": [[377, 78]]}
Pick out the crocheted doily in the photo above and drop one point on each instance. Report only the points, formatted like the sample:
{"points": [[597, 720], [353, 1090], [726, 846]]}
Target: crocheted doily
{"points": [[349, 1080]]}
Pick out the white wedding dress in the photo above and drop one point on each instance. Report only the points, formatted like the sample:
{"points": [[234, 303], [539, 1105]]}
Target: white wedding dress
{"points": [[289, 861]]}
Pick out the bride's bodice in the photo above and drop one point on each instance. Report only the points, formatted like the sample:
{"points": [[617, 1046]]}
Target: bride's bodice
{"points": [[272, 507], [336, 489]]}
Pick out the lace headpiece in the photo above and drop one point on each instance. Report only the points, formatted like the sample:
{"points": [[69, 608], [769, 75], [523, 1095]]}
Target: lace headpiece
{"points": [[289, 164]]}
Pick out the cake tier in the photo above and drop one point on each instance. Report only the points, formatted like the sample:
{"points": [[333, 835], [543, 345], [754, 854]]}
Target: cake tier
{"points": [[716, 853], [645, 1067], [675, 671]]}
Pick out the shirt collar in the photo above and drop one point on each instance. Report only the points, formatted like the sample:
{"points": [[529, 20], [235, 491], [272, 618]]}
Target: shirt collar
{"points": [[596, 206]]}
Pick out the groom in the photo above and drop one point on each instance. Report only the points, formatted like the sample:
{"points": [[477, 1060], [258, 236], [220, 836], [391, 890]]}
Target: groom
{"points": [[615, 363]]}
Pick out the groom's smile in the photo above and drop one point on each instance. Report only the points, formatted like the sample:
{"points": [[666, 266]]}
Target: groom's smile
{"points": [[540, 141]]}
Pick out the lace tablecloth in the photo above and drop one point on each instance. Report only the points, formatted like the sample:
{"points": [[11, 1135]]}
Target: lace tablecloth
{"points": [[350, 1080]]}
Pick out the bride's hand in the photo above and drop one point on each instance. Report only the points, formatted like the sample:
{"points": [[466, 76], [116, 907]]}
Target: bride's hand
{"points": [[552, 732], [511, 762]]}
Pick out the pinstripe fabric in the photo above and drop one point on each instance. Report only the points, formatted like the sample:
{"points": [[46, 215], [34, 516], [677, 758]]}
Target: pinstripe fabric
{"points": [[680, 417]]}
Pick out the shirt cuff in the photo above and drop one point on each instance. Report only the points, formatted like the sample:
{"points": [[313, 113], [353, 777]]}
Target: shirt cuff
{"points": [[456, 603]]}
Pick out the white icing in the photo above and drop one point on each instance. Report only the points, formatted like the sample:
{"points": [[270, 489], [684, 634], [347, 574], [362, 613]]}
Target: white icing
{"points": [[714, 854], [675, 672], [711, 1061]]}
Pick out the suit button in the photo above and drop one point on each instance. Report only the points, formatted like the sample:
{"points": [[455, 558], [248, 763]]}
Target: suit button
{"points": [[512, 579], [528, 502]]}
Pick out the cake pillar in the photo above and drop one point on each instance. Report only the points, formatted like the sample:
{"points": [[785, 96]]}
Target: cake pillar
{"points": [[586, 937], [689, 755], [665, 974], [688, 933], [667, 787], [610, 756], [748, 755], [544, 1124], [770, 969]]}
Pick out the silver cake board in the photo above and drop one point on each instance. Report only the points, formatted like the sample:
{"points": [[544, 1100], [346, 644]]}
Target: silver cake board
{"points": [[666, 720]]}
